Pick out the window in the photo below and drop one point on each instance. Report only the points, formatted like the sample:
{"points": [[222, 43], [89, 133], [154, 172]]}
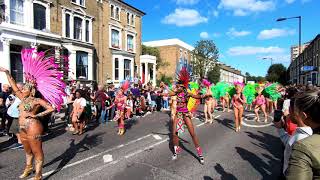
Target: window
{"points": [[112, 11], [68, 25], [16, 11], [87, 30], [117, 13], [39, 16], [78, 2], [130, 42], [132, 19], [115, 40], [116, 69], [128, 18], [127, 68], [82, 65], [77, 32], [16, 63]]}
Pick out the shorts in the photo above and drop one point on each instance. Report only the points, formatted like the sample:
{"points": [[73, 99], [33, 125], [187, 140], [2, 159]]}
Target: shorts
{"points": [[14, 126]]}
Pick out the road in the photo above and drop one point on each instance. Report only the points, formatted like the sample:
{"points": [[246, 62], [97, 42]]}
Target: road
{"points": [[144, 152]]}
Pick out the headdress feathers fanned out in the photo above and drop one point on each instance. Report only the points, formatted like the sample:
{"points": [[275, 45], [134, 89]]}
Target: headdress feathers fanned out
{"points": [[184, 77], [41, 71]]}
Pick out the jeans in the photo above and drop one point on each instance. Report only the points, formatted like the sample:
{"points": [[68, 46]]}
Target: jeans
{"points": [[103, 116], [165, 104], [112, 112]]}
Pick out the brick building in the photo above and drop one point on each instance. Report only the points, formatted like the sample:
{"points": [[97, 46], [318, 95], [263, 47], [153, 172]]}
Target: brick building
{"points": [[102, 38], [306, 67], [174, 53]]}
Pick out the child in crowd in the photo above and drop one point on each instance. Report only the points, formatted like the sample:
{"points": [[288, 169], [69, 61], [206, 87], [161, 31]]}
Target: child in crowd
{"points": [[129, 106]]}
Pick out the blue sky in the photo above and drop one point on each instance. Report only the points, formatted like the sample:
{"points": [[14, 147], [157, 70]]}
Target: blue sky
{"points": [[245, 31]]}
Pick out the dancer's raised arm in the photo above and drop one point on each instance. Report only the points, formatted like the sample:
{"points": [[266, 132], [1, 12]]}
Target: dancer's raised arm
{"points": [[12, 83]]}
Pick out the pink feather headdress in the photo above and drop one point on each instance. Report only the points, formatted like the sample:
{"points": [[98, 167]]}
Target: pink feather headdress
{"points": [[206, 83], [42, 73], [240, 84]]}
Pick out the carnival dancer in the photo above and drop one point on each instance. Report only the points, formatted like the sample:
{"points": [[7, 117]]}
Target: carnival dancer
{"points": [[260, 102], [40, 74], [208, 102], [120, 103], [182, 114], [226, 102], [238, 101]]}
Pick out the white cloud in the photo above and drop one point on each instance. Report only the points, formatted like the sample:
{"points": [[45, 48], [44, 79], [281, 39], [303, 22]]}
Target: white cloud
{"points": [[215, 13], [253, 50], [245, 7], [234, 33], [290, 1], [187, 2], [204, 35], [273, 33], [184, 17]]}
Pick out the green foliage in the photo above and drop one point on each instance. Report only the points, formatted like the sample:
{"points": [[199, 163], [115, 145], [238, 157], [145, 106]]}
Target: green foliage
{"points": [[214, 74], [254, 78], [206, 54], [153, 51], [277, 73], [165, 79]]}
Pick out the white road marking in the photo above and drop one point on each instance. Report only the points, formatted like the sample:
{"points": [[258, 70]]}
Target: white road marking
{"points": [[157, 137], [217, 116], [99, 154], [107, 158], [201, 124], [256, 126], [121, 159]]}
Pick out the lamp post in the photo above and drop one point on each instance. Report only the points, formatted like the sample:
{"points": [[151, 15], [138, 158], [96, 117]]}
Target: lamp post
{"points": [[268, 58], [296, 17]]}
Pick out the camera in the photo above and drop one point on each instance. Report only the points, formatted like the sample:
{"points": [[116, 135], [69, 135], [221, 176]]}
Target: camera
{"points": [[277, 115], [10, 98]]}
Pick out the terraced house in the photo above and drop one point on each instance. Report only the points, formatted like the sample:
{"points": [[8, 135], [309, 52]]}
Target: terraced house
{"points": [[101, 37]]}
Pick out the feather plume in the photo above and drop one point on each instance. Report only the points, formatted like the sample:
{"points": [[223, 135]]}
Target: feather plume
{"points": [[41, 71], [184, 77]]}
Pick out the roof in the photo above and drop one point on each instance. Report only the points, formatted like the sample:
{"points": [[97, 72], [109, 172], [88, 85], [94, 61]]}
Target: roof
{"points": [[168, 42], [122, 1], [229, 69]]}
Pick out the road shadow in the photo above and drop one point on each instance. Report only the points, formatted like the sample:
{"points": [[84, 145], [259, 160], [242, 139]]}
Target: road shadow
{"points": [[270, 168], [207, 178], [55, 130], [85, 144], [227, 123], [224, 175], [130, 123]]}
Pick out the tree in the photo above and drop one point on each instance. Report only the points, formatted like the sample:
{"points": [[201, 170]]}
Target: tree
{"points": [[277, 73], [153, 51], [206, 55], [214, 74], [254, 78], [165, 79]]}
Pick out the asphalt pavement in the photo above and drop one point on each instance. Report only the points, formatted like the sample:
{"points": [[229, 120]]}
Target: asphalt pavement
{"points": [[144, 152]]}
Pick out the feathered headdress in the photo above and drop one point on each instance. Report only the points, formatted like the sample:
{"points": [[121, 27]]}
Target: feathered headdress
{"points": [[184, 77], [206, 83], [125, 85], [41, 72], [239, 84]]}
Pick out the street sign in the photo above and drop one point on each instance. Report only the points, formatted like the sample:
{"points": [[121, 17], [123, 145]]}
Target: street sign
{"points": [[308, 68]]}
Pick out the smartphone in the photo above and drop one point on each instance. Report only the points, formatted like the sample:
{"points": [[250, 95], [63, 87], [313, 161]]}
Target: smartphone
{"points": [[277, 115]]}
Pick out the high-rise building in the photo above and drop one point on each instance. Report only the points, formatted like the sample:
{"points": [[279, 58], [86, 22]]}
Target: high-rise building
{"points": [[295, 50]]}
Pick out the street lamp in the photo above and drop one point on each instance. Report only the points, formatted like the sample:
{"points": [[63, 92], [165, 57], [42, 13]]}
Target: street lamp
{"points": [[296, 17], [268, 58]]}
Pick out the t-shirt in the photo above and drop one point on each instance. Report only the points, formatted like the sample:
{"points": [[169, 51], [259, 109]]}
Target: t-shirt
{"points": [[13, 110], [286, 105], [135, 92], [82, 101]]}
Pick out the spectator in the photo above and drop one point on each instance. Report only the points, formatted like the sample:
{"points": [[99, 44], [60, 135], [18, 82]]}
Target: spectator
{"points": [[108, 107], [289, 125], [304, 162], [301, 132], [111, 95], [129, 106], [13, 112], [3, 109], [78, 115], [100, 98]]}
